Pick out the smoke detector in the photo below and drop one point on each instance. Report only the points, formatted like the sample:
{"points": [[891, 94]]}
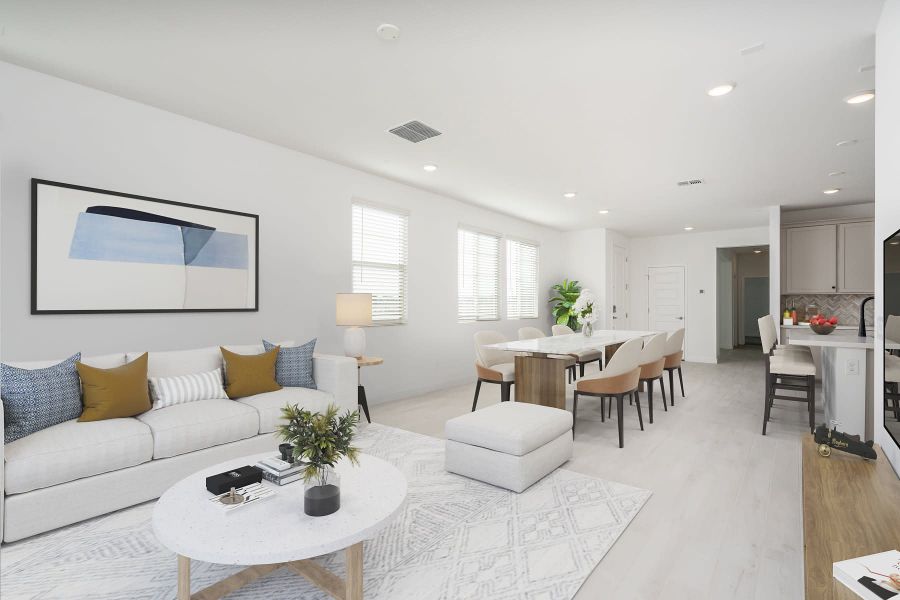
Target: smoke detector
{"points": [[388, 32]]}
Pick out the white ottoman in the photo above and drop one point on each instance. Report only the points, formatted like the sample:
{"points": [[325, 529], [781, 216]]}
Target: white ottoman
{"points": [[511, 445]]}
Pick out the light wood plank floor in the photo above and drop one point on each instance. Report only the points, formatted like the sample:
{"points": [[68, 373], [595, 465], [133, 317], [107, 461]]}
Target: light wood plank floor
{"points": [[725, 517]]}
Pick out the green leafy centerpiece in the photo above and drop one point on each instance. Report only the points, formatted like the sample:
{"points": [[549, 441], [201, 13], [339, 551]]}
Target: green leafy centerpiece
{"points": [[566, 293], [320, 440]]}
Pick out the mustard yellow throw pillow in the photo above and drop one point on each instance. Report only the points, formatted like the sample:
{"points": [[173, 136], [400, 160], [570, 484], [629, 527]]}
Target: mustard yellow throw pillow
{"points": [[114, 393], [250, 374]]}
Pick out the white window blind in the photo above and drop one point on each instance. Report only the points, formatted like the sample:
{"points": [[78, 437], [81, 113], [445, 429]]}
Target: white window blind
{"points": [[521, 280], [478, 272], [379, 260]]}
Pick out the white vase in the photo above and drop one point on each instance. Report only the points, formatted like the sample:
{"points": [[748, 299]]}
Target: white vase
{"points": [[587, 329], [355, 342]]}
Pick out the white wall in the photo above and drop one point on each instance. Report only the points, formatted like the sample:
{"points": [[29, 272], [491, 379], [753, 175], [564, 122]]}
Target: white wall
{"points": [[590, 260], [725, 298], [696, 251], [887, 189], [775, 262], [56, 130]]}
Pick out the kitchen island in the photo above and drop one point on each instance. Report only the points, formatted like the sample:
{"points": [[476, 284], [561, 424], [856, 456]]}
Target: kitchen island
{"points": [[846, 372]]}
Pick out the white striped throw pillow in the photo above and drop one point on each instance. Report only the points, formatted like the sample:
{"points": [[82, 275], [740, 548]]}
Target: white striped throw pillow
{"points": [[169, 391]]}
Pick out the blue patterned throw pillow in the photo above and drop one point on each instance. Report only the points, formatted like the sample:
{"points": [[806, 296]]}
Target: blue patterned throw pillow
{"points": [[294, 366], [35, 399]]}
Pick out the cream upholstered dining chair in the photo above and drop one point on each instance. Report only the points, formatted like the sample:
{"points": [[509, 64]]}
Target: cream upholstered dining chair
{"points": [[620, 378], [492, 365], [787, 368], [674, 354], [653, 361], [533, 333], [581, 358]]}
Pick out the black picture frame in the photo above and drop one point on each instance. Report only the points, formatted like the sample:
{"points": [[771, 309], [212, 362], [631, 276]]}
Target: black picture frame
{"points": [[35, 183]]}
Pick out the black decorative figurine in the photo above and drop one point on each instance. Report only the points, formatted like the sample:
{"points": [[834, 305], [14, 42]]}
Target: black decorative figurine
{"points": [[832, 438]]}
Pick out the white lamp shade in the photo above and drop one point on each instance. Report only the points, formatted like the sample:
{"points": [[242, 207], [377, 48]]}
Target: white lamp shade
{"points": [[354, 310]]}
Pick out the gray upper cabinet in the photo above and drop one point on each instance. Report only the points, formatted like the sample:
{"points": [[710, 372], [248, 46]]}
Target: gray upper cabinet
{"points": [[810, 259], [856, 257], [829, 258]]}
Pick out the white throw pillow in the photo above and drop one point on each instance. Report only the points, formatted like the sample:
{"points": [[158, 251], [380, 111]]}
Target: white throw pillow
{"points": [[169, 391]]}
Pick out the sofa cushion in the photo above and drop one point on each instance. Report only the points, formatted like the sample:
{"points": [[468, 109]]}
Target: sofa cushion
{"points": [[180, 362], [35, 399], [114, 393], [193, 426], [168, 391], [73, 450], [294, 366], [269, 405], [515, 428], [250, 374]]}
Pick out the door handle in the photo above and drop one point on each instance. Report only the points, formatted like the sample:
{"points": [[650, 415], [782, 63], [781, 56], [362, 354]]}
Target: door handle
{"points": [[681, 318]]}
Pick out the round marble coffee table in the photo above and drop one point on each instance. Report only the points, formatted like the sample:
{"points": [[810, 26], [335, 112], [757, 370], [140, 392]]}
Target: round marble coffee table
{"points": [[275, 532]]}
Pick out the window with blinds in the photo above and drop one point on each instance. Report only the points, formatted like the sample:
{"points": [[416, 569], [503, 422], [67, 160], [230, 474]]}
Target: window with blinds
{"points": [[521, 280], [478, 272], [379, 260]]}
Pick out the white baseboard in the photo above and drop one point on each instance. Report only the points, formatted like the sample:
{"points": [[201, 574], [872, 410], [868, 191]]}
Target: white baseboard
{"points": [[703, 359]]}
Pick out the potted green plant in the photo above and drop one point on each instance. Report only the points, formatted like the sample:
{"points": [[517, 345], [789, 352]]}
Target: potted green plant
{"points": [[320, 441], [567, 293]]}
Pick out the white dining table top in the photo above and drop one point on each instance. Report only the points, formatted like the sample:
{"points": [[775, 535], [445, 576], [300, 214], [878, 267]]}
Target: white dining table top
{"points": [[572, 343]]}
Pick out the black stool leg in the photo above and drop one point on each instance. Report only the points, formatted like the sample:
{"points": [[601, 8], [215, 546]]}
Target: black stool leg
{"points": [[811, 398], [477, 390]]}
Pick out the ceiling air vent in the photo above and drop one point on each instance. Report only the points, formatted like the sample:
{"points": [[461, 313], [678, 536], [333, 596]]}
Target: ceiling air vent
{"points": [[415, 131], [690, 182]]}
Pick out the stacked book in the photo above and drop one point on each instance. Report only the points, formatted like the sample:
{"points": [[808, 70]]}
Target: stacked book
{"points": [[280, 472]]}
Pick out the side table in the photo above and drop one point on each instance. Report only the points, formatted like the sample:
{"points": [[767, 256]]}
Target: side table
{"points": [[364, 361]]}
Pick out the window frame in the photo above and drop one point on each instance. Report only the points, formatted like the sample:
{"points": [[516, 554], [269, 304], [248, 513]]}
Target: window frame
{"points": [[479, 231], [537, 276]]}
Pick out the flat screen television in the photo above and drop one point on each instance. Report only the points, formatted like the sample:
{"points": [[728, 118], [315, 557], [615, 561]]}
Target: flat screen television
{"points": [[892, 336]]}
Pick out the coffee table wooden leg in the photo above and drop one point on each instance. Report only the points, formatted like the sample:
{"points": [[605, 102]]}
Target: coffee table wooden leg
{"points": [[184, 578], [354, 572]]}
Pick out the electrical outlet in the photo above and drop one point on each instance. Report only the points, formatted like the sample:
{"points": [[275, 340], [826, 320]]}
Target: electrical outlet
{"points": [[851, 367]]}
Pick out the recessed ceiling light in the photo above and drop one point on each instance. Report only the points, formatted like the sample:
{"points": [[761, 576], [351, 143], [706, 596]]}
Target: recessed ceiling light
{"points": [[721, 89], [837, 173], [388, 32], [688, 228], [757, 252], [860, 97], [831, 191], [430, 168], [570, 194], [895, 243], [603, 211], [843, 143]]}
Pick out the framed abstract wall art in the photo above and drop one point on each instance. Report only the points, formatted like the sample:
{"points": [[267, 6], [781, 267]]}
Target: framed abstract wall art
{"points": [[97, 251]]}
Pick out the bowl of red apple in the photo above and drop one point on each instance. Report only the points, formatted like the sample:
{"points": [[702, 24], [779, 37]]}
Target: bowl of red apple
{"points": [[823, 325]]}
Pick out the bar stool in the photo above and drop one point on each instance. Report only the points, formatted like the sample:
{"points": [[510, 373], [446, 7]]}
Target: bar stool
{"points": [[786, 369], [674, 354], [533, 333], [619, 379], [652, 361], [492, 366], [581, 358]]}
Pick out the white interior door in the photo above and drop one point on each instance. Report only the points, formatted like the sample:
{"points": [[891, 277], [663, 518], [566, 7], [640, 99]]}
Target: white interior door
{"points": [[620, 289], [666, 304]]}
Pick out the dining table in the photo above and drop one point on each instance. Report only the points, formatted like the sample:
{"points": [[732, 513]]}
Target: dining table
{"points": [[540, 374]]}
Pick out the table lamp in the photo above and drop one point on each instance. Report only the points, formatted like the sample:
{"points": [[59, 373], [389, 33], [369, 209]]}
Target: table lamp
{"points": [[355, 312]]}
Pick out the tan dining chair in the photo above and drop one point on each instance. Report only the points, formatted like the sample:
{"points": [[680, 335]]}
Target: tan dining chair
{"points": [[674, 354], [787, 369], [492, 365], [581, 358], [533, 333], [620, 378], [653, 361]]}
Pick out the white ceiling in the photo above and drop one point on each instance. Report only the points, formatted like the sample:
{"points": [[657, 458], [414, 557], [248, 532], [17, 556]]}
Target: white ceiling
{"points": [[606, 97]]}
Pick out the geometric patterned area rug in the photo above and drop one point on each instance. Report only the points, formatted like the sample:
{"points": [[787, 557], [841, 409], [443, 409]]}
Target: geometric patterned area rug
{"points": [[456, 539]]}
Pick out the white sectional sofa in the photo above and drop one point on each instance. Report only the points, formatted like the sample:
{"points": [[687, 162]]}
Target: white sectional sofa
{"points": [[74, 471]]}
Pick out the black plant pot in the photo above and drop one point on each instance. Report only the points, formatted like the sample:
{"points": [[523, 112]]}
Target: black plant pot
{"points": [[321, 500]]}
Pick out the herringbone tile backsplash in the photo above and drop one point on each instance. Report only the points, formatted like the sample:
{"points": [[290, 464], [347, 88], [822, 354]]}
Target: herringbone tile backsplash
{"points": [[844, 306]]}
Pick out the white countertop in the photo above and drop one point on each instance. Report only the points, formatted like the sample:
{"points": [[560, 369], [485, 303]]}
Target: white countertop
{"points": [[805, 325], [835, 339]]}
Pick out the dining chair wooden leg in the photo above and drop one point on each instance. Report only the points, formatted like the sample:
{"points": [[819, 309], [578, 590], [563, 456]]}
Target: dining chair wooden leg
{"points": [[477, 390], [662, 390], [574, 412], [637, 402], [767, 400], [650, 398], [681, 382], [621, 425]]}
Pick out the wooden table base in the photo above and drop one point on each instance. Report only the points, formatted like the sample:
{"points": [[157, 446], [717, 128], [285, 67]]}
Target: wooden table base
{"points": [[541, 380], [350, 588]]}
